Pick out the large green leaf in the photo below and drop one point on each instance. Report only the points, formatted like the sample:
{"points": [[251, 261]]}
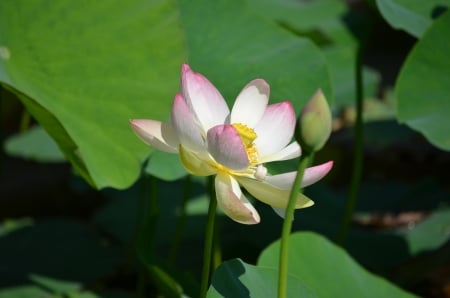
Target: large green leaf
{"points": [[423, 89], [85, 68], [237, 279], [327, 269], [413, 16], [93, 66]]}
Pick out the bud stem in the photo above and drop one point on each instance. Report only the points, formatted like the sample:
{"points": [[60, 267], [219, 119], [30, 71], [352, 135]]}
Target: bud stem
{"points": [[287, 226]]}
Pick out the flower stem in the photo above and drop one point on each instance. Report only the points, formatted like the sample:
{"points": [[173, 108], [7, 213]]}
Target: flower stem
{"points": [[181, 222], [25, 121], [287, 226], [209, 239], [217, 250], [358, 151]]}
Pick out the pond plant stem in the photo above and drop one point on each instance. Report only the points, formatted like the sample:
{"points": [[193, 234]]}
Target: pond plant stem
{"points": [[209, 239], [287, 226], [357, 151], [147, 217], [181, 220]]}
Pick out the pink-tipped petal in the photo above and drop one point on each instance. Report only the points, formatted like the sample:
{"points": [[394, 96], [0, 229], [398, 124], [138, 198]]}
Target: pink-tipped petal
{"points": [[157, 134], [186, 126], [194, 164], [282, 181], [272, 195], [311, 176], [225, 145], [204, 100], [314, 174], [232, 202], [291, 151], [275, 129], [251, 103]]}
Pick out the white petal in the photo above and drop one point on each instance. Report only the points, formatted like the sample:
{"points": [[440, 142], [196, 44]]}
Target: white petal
{"points": [[275, 129], [291, 151], [233, 203], [204, 100], [157, 134], [195, 164], [311, 176], [271, 194], [251, 103], [185, 124], [225, 145]]}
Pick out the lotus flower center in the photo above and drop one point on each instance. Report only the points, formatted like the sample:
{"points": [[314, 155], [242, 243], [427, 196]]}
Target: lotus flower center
{"points": [[248, 135]]}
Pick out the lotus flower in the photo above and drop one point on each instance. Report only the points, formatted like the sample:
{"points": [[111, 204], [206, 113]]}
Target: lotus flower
{"points": [[234, 145]]}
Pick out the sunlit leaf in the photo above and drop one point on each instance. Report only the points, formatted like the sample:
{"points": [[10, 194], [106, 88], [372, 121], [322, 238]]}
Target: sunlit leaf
{"points": [[237, 279], [315, 262], [92, 67]]}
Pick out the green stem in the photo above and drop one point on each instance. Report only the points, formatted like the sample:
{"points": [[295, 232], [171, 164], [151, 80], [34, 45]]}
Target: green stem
{"points": [[25, 121], [1, 127], [209, 239], [181, 222], [358, 151], [217, 249], [147, 216], [287, 226]]}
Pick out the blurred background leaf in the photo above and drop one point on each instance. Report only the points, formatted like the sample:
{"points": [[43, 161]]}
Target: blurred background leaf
{"points": [[34, 144], [413, 16], [422, 88]]}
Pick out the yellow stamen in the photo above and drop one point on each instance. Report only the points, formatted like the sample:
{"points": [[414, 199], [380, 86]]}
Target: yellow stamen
{"points": [[248, 135]]}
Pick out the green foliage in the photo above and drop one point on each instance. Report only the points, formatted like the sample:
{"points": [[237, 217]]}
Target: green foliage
{"points": [[312, 267], [84, 68], [24, 292], [235, 278], [413, 16], [422, 88], [54, 285], [165, 166], [59, 239], [113, 67], [34, 144], [310, 256]]}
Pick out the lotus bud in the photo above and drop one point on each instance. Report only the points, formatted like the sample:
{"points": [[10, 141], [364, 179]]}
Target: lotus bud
{"points": [[314, 123]]}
